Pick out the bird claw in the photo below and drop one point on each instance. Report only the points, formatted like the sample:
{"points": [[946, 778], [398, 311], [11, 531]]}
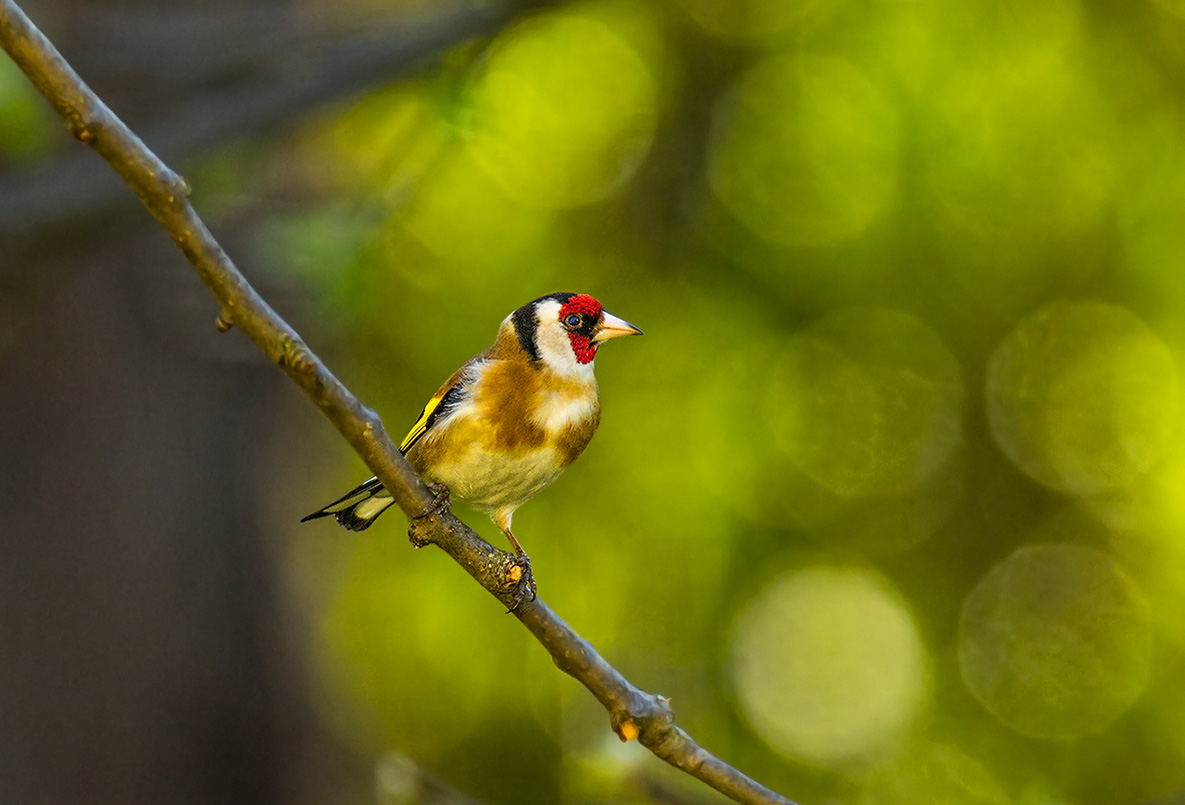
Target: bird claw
{"points": [[440, 504], [520, 579]]}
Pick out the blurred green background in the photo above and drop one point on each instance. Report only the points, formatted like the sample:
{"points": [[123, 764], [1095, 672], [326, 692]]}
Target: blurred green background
{"points": [[887, 500]]}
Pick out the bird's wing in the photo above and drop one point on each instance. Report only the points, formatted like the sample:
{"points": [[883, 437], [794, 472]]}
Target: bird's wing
{"points": [[445, 398]]}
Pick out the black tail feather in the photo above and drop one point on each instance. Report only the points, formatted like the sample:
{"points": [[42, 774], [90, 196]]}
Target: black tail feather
{"points": [[346, 518], [344, 509]]}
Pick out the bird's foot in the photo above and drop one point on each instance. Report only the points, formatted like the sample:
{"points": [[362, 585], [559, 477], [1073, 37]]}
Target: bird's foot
{"points": [[520, 578], [440, 501], [440, 504]]}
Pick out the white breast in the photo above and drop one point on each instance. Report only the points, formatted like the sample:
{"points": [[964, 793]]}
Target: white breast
{"points": [[486, 480], [557, 410]]}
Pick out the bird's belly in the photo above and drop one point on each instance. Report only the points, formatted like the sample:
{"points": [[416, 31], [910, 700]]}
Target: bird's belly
{"points": [[487, 480]]}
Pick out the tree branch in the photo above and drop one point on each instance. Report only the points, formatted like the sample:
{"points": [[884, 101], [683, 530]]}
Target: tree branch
{"points": [[633, 712]]}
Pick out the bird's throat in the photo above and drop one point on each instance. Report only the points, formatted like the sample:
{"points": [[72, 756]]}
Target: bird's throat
{"points": [[583, 347]]}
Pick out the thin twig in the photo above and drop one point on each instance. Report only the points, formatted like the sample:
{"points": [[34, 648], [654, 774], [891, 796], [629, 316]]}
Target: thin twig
{"points": [[633, 712]]}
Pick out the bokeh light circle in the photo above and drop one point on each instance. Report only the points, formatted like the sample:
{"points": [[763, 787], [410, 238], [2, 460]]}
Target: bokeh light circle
{"points": [[806, 151], [1019, 148], [562, 113], [1083, 397], [934, 773], [869, 402], [1055, 641], [461, 214], [1152, 204], [827, 664]]}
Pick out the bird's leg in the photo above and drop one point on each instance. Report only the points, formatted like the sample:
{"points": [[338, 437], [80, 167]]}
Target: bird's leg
{"points": [[519, 575], [440, 503]]}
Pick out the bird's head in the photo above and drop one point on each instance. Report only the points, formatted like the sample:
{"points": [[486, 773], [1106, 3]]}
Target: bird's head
{"points": [[564, 330]]}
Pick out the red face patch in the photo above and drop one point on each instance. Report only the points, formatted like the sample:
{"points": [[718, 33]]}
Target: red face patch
{"points": [[583, 346], [580, 315], [584, 304]]}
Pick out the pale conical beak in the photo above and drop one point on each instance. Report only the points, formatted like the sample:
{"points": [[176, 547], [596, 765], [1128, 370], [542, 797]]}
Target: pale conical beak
{"points": [[613, 327]]}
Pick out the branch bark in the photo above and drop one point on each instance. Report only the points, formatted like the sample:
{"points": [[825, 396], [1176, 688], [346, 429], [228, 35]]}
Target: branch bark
{"points": [[633, 712]]}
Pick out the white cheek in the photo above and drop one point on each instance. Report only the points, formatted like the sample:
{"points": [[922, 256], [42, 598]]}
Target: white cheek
{"points": [[555, 348]]}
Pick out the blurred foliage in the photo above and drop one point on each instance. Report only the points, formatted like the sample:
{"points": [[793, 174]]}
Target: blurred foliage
{"points": [[24, 117], [888, 499]]}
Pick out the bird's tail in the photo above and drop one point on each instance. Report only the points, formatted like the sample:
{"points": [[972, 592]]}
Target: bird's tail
{"points": [[359, 507]]}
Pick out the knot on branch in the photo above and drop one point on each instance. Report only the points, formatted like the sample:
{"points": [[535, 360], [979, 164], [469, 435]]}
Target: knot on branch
{"points": [[84, 131], [427, 529], [645, 716], [372, 424], [294, 353], [175, 187], [420, 532]]}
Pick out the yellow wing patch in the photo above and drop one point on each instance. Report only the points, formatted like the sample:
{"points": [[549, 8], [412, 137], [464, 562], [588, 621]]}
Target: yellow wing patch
{"points": [[433, 409], [421, 426]]}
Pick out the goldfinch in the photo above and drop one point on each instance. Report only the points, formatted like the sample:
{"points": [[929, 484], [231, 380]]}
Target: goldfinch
{"points": [[508, 422]]}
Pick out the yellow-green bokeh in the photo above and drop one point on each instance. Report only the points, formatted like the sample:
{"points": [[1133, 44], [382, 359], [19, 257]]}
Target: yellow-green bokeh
{"points": [[806, 150], [936, 772], [866, 405], [1055, 641], [911, 278], [1019, 142], [828, 664], [871, 401], [25, 121], [562, 111], [1084, 397], [758, 21]]}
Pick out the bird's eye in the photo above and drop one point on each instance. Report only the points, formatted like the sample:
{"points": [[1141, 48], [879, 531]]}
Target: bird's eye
{"points": [[572, 320]]}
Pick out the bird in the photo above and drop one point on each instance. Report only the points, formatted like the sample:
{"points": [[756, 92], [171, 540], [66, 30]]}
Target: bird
{"points": [[507, 423]]}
